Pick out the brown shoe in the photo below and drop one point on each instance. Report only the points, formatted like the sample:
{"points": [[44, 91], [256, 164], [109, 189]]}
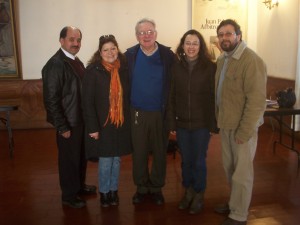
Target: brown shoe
{"points": [[197, 203], [230, 221], [222, 208], [187, 198]]}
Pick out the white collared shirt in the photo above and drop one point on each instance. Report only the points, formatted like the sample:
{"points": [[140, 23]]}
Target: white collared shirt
{"points": [[68, 54]]}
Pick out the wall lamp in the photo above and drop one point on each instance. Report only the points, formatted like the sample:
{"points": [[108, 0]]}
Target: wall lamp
{"points": [[271, 3]]}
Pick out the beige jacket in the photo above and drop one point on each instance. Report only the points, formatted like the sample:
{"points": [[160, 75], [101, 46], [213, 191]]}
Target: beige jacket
{"points": [[243, 95]]}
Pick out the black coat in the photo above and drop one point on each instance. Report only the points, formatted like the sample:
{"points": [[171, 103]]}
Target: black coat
{"points": [[192, 99], [62, 93], [112, 141]]}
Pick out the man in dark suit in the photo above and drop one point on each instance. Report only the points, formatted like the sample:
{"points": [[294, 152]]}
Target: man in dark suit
{"points": [[62, 78]]}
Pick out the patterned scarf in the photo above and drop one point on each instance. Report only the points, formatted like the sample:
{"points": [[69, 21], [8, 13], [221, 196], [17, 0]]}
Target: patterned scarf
{"points": [[115, 113]]}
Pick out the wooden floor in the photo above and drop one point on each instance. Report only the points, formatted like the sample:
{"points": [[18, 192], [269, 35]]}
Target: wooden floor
{"points": [[30, 194]]}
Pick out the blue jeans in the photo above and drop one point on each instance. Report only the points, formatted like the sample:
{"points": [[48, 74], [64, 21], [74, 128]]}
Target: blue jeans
{"points": [[108, 173], [193, 145]]}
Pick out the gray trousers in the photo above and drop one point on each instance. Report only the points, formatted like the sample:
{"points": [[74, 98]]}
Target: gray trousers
{"points": [[238, 165], [149, 151]]}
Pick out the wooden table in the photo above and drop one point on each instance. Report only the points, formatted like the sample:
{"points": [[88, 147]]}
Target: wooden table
{"points": [[6, 121], [279, 114]]}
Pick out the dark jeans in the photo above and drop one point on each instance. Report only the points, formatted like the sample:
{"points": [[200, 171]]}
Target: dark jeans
{"points": [[193, 145], [148, 137], [71, 163]]}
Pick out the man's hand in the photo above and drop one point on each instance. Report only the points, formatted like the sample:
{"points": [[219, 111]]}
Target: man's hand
{"points": [[66, 134]]}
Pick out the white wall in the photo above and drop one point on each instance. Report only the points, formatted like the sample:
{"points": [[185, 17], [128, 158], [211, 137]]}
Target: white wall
{"points": [[42, 20], [252, 24], [278, 38], [272, 33]]}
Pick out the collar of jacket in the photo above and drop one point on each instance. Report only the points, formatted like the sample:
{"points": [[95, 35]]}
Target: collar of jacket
{"points": [[237, 53]]}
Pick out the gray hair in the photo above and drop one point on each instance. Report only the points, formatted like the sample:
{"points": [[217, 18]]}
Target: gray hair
{"points": [[144, 20]]}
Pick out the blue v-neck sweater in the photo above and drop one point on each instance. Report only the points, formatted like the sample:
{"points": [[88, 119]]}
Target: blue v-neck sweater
{"points": [[147, 82]]}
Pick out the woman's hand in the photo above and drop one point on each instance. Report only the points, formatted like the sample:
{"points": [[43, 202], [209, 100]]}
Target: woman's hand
{"points": [[94, 135], [173, 132]]}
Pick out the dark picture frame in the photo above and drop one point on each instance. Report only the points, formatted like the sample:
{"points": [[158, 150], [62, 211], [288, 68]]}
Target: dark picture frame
{"points": [[9, 58]]}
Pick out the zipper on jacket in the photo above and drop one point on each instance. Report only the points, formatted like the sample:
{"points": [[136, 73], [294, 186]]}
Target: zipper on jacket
{"points": [[189, 97]]}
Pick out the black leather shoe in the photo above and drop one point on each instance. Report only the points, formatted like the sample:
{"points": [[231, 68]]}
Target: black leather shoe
{"points": [[138, 198], [114, 198], [222, 208], [158, 198], [88, 190], [105, 199], [74, 203], [230, 221]]}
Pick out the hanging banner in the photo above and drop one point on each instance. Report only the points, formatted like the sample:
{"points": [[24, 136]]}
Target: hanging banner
{"points": [[207, 15]]}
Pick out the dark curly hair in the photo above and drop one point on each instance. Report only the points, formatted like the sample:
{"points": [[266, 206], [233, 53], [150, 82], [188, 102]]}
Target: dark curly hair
{"points": [[203, 54], [103, 40]]}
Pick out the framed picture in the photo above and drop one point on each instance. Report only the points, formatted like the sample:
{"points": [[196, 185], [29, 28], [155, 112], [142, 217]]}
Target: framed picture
{"points": [[9, 60]]}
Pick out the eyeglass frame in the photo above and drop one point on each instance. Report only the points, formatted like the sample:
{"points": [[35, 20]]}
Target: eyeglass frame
{"points": [[144, 33], [226, 34], [192, 44]]}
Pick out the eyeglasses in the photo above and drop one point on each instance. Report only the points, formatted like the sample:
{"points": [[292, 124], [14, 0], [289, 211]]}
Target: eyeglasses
{"points": [[109, 36], [227, 34], [143, 33], [192, 44]]}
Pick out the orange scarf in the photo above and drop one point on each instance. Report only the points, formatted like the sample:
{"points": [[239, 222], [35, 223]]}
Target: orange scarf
{"points": [[115, 113]]}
